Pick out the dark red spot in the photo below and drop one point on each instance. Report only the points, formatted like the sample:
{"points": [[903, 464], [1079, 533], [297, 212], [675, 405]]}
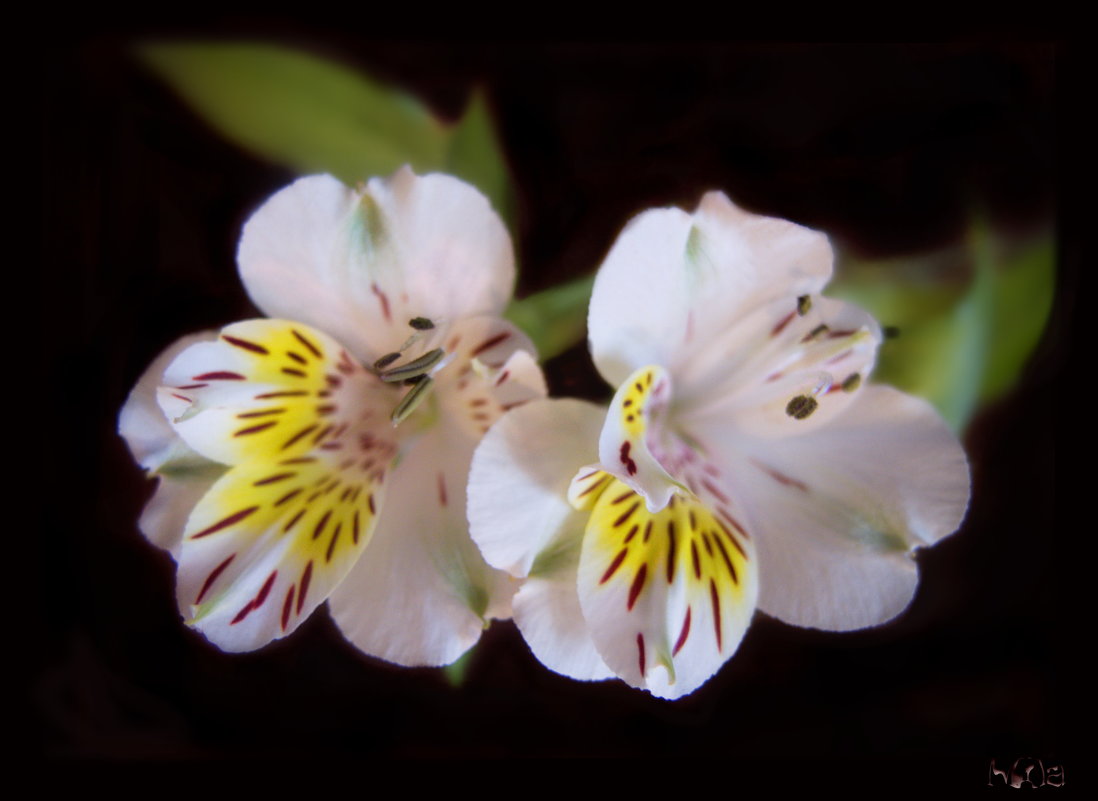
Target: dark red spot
{"points": [[286, 393], [326, 408], [442, 489], [631, 533], [846, 332], [263, 413], [273, 479], [370, 502], [323, 433], [628, 402], [614, 565], [671, 551], [623, 496], [478, 402], [255, 429], [489, 343], [640, 651], [734, 523], [293, 371], [637, 585], [320, 525], [256, 602], [220, 375], [639, 386], [715, 599], [299, 460], [384, 300], [697, 560], [503, 377], [630, 465], [297, 357], [293, 520], [210, 579], [305, 577], [313, 349], [192, 386], [648, 530], [727, 560], [332, 544], [714, 490], [626, 514], [782, 323], [182, 397], [683, 634], [287, 607], [236, 517], [334, 380], [302, 433], [594, 486], [287, 496], [355, 528], [245, 344]]}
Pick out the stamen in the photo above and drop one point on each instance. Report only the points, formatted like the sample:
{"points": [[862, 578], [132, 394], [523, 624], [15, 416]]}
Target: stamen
{"points": [[816, 332], [804, 305], [413, 368], [410, 401], [421, 324], [890, 331], [386, 360], [801, 407], [852, 382]]}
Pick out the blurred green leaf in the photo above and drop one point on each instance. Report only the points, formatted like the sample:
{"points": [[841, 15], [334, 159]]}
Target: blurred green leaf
{"points": [[555, 319], [301, 111], [968, 317], [456, 672], [476, 156]]}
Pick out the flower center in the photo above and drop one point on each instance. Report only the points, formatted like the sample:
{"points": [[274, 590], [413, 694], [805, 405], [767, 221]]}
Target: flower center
{"points": [[415, 373]]}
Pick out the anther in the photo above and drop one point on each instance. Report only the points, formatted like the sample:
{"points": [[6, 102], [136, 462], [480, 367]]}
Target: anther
{"points": [[890, 331], [408, 382], [816, 332], [410, 401], [386, 360], [413, 368], [804, 304], [852, 382], [801, 407], [421, 324]]}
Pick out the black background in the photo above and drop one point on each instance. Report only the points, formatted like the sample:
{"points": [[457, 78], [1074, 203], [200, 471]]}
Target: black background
{"points": [[883, 146]]}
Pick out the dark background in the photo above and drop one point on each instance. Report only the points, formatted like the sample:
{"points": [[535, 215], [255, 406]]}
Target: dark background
{"points": [[883, 146]]}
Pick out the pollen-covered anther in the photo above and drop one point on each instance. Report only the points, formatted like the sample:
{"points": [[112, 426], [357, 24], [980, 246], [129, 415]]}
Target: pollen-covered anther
{"points": [[801, 407], [411, 401], [852, 382], [386, 360], [421, 324], [417, 367], [804, 305]]}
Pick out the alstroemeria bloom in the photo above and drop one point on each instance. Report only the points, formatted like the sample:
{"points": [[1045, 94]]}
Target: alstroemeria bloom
{"points": [[744, 461], [324, 453]]}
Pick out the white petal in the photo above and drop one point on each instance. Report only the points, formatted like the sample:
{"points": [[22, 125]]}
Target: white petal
{"points": [[667, 596], [422, 594], [518, 484], [673, 280], [143, 425], [359, 264], [751, 376], [837, 512], [271, 390], [520, 518], [632, 427], [183, 476]]}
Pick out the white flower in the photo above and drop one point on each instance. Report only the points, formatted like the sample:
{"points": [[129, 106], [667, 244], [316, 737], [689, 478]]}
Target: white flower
{"points": [[743, 461], [296, 464]]}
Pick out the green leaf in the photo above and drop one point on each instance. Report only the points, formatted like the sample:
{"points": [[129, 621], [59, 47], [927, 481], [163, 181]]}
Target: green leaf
{"points": [[301, 111], [969, 317], [475, 155], [555, 319], [455, 673]]}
